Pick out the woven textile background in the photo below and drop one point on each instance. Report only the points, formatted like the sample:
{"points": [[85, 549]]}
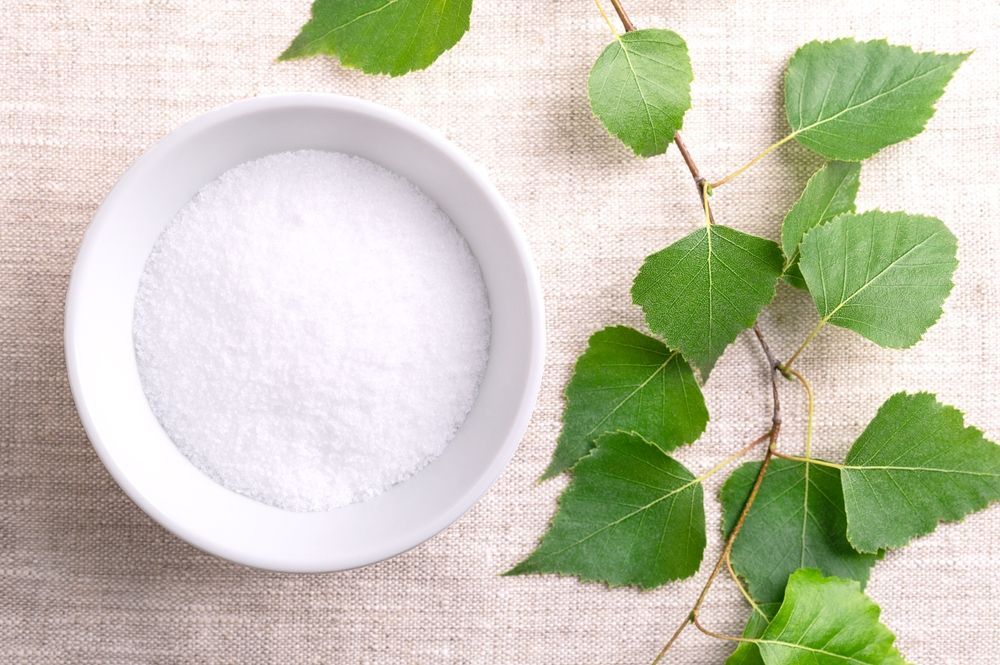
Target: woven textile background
{"points": [[87, 85]]}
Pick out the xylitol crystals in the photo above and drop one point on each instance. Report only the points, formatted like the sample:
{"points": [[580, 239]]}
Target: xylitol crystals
{"points": [[311, 329]]}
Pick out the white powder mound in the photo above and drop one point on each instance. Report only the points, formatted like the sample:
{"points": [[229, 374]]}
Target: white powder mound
{"points": [[311, 329]]}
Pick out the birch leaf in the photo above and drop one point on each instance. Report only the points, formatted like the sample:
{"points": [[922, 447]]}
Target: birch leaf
{"points": [[627, 381], [797, 521], [826, 621], [631, 516], [699, 293], [883, 275], [916, 464], [382, 36], [829, 192], [847, 100], [640, 88]]}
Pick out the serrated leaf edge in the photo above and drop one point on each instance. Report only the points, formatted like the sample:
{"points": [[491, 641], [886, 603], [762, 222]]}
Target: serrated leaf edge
{"points": [[680, 126], [513, 570], [935, 522], [951, 282], [792, 261], [795, 132], [549, 473]]}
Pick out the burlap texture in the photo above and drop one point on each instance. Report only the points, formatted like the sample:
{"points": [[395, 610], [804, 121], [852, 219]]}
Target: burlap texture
{"points": [[86, 86]]}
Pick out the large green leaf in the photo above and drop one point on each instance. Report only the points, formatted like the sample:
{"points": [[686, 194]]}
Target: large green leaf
{"points": [[640, 88], [382, 36], [627, 381], [797, 521], [883, 275], [914, 465], [829, 192], [699, 293], [826, 621], [847, 100], [632, 515]]}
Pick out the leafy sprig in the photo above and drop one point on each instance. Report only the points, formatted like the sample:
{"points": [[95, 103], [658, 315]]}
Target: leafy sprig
{"points": [[801, 533]]}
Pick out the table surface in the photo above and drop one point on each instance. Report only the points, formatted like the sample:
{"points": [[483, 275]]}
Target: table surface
{"points": [[86, 86]]}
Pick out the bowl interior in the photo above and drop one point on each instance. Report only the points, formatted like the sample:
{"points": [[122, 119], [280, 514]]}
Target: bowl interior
{"points": [[105, 380]]}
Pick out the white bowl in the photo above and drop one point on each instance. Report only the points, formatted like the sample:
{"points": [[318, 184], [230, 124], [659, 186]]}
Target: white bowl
{"points": [[105, 381]]}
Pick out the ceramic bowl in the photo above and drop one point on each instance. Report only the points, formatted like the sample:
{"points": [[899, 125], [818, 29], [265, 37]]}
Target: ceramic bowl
{"points": [[102, 365]]}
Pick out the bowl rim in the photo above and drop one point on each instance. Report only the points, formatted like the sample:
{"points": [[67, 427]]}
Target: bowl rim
{"points": [[328, 562]]}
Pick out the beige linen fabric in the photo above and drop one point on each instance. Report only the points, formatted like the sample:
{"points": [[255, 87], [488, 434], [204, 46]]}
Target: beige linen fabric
{"points": [[87, 85]]}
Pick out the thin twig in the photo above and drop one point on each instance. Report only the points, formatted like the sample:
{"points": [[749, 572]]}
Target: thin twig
{"points": [[626, 21], [700, 183], [775, 366], [692, 617], [773, 370]]}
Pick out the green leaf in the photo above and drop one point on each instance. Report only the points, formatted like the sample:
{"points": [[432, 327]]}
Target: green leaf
{"points": [[640, 88], [883, 275], [382, 36], [916, 464], [829, 192], [699, 293], [797, 521], [627, 381], [847, 100], [747, 653], [827, 621], [632, 515]]}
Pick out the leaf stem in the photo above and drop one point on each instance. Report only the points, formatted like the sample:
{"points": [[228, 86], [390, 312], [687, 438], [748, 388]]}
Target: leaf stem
{"points": [[761, 155], [606, 19], [743, 590], [787, 367], [809, 407], [733, 457], [622, 16], [708, 208], [809, 460], [720, 636]]}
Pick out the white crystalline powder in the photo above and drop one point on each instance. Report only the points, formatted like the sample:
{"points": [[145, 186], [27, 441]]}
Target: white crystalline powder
{"points": [[311, 329]]}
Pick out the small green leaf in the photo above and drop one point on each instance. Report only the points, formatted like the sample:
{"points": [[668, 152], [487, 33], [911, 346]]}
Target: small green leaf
{"points": [[847, 100], [747, 653], [640, 88], [797, 521], [827, 621], [382, 36], [829, 192], [916, 464], [627, 381], [632, 515], [699, 293], [883, 275]]}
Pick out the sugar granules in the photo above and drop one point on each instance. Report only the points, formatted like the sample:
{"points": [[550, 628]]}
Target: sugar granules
{"points": [[311, 329]]}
